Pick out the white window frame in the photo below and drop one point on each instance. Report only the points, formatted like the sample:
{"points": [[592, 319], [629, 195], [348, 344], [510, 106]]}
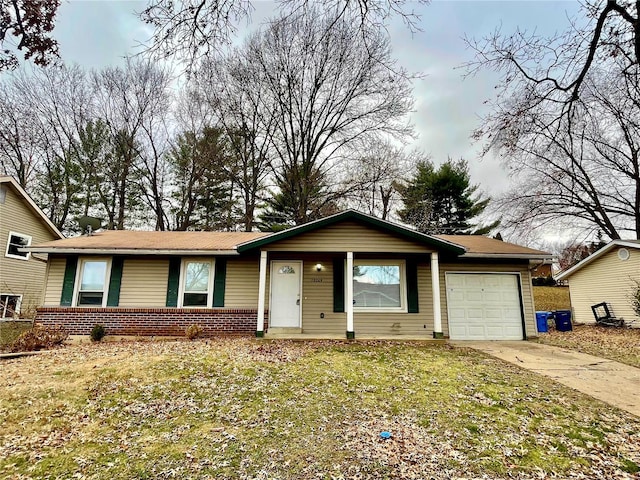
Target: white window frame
{"points": [[403, 284], [18, 257], [183, 278], [3, 312], [78, 282]]}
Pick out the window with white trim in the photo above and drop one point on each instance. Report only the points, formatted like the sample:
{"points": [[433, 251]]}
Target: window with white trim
{"points": [[15, 242], [379, 285], [10, 305], [92, 283], [197, 283]]}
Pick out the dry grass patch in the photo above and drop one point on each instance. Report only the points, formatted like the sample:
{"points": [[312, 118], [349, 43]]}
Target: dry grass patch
{"points": [[10, 330], [547, 299], [620, 344], [240, 408]]}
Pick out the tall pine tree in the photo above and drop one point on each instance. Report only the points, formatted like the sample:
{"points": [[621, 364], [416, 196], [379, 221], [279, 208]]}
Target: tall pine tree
{"points": [[443, 201]]}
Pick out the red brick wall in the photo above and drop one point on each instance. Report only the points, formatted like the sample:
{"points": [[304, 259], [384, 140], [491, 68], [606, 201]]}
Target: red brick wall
{"points": [[150, 321]]}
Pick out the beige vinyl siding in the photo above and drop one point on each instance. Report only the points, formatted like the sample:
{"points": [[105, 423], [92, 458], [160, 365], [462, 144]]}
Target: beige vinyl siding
{"points": [[317, 298], [606, 279], [55, 277], [243, 278], [525, 281], [348, 237], [144, 282], [402, 323], [17, 276]]}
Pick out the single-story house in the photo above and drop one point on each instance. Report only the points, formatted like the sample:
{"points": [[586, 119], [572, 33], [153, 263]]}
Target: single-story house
{"points": [[349, 274], [609, 275], [22, 224]]}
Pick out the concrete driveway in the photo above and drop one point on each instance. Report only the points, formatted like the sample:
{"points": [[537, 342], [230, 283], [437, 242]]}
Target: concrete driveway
{"points": [[612, 382]]}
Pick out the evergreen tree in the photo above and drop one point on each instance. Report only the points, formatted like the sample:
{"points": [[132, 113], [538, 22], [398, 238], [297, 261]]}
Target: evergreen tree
{"points": [[443, 201], [202, 189], [301, 198]]}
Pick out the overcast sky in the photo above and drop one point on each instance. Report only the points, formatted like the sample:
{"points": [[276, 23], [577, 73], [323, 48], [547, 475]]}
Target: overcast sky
{"points": [[99, 33]]}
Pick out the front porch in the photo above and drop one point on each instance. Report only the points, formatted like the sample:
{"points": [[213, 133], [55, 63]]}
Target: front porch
{"points": [[314, 296]]}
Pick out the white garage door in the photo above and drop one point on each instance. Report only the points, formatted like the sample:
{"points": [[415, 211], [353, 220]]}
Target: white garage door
{"points": [[483, 306]]}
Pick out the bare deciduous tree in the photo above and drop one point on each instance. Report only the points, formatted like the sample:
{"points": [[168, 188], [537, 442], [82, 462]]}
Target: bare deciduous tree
{"points": [[327, 88], [373, 175], [566, 120], [196, 29], [130, 100], [232, 88]]}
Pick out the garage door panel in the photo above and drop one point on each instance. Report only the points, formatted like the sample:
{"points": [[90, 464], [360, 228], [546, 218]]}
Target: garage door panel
{"points": [[476, 330], [484, 306], [475, 314], [493, 313], [512, 313], [457, 295], [492, 296], [472, 282], [473, 296], [494, 330]]}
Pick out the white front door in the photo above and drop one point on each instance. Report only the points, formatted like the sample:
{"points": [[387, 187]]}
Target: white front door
{"points": [[484, 306], [284, 305]]}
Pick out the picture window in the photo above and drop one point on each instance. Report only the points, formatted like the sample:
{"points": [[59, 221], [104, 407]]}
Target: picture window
{"points": [[379, 285]]}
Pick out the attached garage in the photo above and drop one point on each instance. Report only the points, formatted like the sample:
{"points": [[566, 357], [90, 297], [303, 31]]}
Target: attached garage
{"points": [[484, 306]]}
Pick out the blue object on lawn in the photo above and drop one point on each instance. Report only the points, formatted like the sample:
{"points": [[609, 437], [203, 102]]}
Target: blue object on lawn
{"points": [[385, 435], [541, 321], [563, 320]]}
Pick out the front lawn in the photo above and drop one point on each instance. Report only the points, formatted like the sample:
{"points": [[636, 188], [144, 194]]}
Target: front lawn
{"points": [[240, 408], [10, 330], [620, 344]]}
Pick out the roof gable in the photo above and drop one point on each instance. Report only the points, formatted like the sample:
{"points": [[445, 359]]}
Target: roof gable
{"points": [[352, 215], [7, 181], [594, 256]]}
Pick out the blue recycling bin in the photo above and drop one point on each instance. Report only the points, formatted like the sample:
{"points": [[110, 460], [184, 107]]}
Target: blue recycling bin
{"points": [[541, 321], [563, 320]]}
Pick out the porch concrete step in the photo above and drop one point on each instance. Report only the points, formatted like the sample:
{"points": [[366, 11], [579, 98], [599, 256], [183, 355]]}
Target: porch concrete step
{"points": [[283, 331]]}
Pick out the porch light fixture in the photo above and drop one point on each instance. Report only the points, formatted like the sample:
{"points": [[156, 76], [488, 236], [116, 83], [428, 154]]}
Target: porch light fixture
{"points": [[318, 267]]}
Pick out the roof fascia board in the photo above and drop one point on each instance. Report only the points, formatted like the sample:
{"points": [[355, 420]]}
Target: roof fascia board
{"points": [[522, 256], [595, 256], [38, 211], [352, 215], [128, 251]]}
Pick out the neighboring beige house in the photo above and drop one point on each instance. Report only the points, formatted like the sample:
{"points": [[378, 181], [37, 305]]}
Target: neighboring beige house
{"points": [[608, 275], [347, 275], [22, 273]]}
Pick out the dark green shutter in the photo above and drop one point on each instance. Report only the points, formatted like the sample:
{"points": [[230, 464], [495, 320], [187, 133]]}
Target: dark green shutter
{"points": [[69, 281], [338, 285], [113, 297], [219, 282], [173, 283], [412, 286]]}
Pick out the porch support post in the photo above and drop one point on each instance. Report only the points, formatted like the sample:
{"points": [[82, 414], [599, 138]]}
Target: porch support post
{"points": [[262, 287], [349, 300], [435, 290]]}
